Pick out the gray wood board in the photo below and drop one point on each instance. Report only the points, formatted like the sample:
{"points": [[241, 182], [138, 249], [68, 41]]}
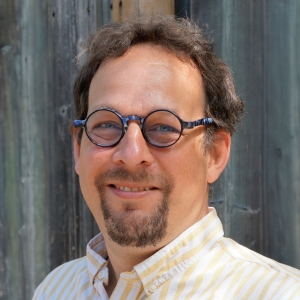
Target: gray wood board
{"points": [[258, 196], [43, 218]]}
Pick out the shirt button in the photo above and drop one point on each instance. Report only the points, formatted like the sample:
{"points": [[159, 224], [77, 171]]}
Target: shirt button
{"points": [[101, 274], [152, 288]]}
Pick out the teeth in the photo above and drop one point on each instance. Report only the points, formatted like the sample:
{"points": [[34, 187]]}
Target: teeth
{"points": [[127, 189]]}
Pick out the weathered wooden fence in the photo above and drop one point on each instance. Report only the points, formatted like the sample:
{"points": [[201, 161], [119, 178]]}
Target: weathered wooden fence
{"points": [[43, 219]]}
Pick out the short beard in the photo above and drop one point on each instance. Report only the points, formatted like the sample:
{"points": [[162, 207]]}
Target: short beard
{"points": [[127, 229]]}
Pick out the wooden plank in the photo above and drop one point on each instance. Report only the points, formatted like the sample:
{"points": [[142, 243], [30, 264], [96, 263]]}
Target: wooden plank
{"points": [[69, 24], [124, 8], [239, 41], [23, 188], [183, 8], [258, 195], [9, 58], [282, 125], [44, 220]]}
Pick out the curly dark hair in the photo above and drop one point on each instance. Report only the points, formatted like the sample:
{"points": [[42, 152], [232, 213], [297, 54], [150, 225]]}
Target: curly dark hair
{"points": [[180, 36]]}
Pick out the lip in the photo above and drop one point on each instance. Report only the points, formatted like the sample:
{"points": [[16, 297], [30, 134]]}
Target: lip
{"points": [[132, 191]]}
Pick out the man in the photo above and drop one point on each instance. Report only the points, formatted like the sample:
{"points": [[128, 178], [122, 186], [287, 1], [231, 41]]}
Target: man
{"points": [[155, 113]]}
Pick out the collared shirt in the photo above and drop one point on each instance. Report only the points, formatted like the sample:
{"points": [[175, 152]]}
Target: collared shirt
{"points": [[198, 264]]}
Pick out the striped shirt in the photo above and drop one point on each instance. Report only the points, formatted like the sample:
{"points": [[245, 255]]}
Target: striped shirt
{"points": [[198, 264]]}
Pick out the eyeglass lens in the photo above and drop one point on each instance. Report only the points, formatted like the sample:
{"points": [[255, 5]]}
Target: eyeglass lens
{"points": [[160, 128]]}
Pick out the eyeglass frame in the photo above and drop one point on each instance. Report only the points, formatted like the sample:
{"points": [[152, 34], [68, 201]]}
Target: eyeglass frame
{"points": [[184, 125]]}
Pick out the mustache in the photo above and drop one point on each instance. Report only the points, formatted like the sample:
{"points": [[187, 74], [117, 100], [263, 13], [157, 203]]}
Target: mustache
{"points": [[141, 176]]}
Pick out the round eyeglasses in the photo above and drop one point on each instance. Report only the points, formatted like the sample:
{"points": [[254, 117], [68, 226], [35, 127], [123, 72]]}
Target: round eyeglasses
{"points": [[161, 128]]}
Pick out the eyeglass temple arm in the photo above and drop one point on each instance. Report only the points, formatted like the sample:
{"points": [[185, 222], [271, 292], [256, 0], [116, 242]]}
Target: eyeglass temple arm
{"points": [[204, 121], [79, 123]]}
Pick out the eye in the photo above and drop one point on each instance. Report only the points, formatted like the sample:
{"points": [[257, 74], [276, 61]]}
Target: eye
{"points": [[163, 128], [106, 125]]}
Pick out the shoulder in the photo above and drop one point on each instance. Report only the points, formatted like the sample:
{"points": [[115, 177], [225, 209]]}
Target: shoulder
{"points": [[62, 278], [257, 275], [240, 253]]}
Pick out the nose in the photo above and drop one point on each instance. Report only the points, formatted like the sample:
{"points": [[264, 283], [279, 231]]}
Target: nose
{"points": [[133, 150]]}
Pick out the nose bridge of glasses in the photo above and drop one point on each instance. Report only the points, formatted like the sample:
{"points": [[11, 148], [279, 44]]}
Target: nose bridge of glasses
{"points": [[132, 118]]}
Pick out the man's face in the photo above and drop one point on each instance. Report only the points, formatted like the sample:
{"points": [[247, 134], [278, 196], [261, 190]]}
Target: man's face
{"points": [[141, 195]]}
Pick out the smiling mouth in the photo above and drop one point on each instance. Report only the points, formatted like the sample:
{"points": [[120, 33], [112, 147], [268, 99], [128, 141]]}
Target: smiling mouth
{"points": [[135, 189]]}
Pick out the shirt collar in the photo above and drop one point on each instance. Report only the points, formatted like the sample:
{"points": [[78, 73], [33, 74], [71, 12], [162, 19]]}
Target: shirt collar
{"points": [[97, 259], [175, 257]]}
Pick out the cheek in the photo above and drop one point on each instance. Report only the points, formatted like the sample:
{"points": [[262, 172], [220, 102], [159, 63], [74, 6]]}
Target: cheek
{"points": [[91, 163], [92, 158], [188, 169], [194, 174], [89, 168]]}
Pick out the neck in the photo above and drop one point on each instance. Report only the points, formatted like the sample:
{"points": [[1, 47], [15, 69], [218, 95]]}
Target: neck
{"points": [[123, 259]]}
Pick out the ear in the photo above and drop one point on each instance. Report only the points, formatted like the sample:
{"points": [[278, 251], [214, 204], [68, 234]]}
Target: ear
{"points": [[218, 155], [76, 150]]}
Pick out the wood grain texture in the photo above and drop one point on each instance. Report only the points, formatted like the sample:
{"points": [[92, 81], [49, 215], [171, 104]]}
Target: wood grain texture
{"points": [[258, 196], [282, 128], [125, 8], [239, 41], [43, 218]]}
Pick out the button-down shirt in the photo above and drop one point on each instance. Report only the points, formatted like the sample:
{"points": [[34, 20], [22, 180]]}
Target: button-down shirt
{"points": [[198, 264]]}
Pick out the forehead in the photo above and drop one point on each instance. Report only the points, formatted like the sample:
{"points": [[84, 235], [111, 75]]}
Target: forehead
{"points": [[145, 78]]}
